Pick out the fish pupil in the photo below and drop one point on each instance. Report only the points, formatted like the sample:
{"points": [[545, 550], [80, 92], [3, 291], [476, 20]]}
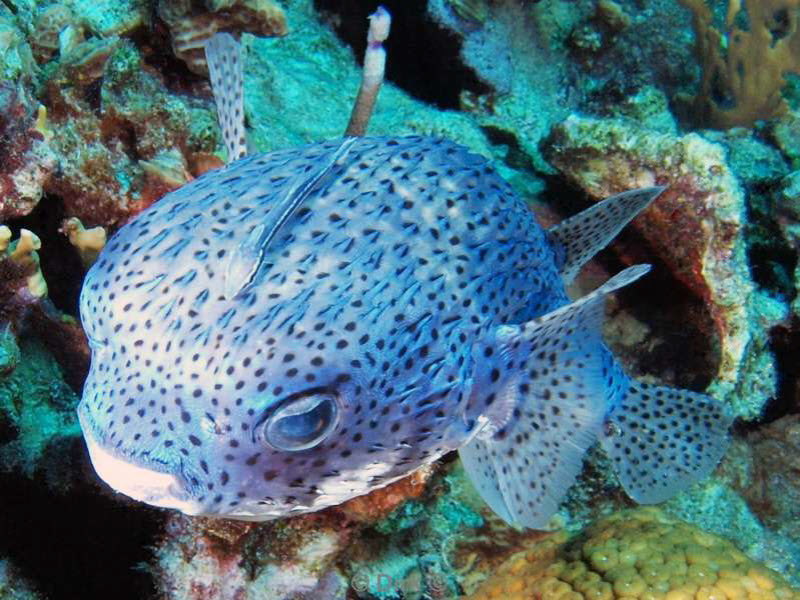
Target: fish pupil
{"points": [[302, 424]]}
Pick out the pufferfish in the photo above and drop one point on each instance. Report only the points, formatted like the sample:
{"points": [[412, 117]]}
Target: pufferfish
{"points": [[301, 327]]}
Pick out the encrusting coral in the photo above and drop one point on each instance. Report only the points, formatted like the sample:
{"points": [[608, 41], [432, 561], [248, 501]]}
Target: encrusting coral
{"points": [[190, 27], [744, 68], [26, 161], [696, 227], [640, 553]]}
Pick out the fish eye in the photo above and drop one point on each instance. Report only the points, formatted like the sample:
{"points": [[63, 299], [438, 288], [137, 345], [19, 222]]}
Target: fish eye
{"points": [[302, 423]]}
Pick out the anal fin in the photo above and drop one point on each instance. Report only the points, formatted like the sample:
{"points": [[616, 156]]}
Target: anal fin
{"points": [[578, 238], [544, 393]]}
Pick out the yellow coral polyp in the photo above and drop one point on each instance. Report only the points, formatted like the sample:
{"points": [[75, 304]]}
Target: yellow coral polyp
{"points": [[640, 554], [88, 242], [41, 123], [22, 252], [5, 238]]}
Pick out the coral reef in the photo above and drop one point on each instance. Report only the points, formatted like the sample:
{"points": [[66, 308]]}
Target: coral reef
{"points": [[200, 559], [25, 308], [639, 553], [125, 123], [50, 22], [14, 587], [190, 27], [113, 163], [16, 57], [37, 413], [26, 160], [695, 228], [744, 69], [772, 486]]}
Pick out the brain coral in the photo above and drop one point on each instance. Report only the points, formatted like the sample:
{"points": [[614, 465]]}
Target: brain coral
{"points": [[639, 553]]}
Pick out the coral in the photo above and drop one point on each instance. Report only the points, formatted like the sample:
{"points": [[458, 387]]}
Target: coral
{"points": [[639, 553], [191, 27], [106, 18], [695, 227], [13, 586], [203, 559], [16, 57], [293, 96], [27, 160], [772, 488], [784, 133], [39, 408], [744, 69], [379, 503], [588, 39], [50, 22], [118, 160], [23, 283], [25, 308], [85, 63], [88, 242]]}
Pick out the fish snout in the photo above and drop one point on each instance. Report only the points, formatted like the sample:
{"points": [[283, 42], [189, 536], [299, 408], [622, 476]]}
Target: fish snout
{"points": [[155, 484]]}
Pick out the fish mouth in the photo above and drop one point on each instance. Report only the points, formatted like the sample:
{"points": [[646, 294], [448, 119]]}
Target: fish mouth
{"points": [[143, 483]]}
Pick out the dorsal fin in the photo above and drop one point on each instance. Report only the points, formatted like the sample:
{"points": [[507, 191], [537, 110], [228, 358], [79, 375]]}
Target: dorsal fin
{"points": [[224, 60], [579, 238], [248, 256]]}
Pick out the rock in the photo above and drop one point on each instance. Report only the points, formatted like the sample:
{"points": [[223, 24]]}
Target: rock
{"points": [[695, 227]]}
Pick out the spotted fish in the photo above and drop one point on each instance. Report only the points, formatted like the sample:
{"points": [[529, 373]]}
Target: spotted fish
{"points": [[301, 327]]}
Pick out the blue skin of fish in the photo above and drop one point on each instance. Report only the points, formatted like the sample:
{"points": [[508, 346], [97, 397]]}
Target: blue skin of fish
{"points": [[374, 333]]}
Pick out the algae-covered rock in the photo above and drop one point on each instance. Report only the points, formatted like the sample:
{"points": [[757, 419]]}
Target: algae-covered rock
{"points": [[37, 409], [300, 89], [111, 160], [13, 586], [696, 227]]}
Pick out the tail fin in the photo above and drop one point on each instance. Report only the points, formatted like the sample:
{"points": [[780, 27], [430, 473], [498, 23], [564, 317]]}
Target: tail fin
{"points": [[661, 440], [543, 390], [225, 67]]}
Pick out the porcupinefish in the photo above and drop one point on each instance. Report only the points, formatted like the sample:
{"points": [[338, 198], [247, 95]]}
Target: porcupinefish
{"points": [[300, 327]]}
